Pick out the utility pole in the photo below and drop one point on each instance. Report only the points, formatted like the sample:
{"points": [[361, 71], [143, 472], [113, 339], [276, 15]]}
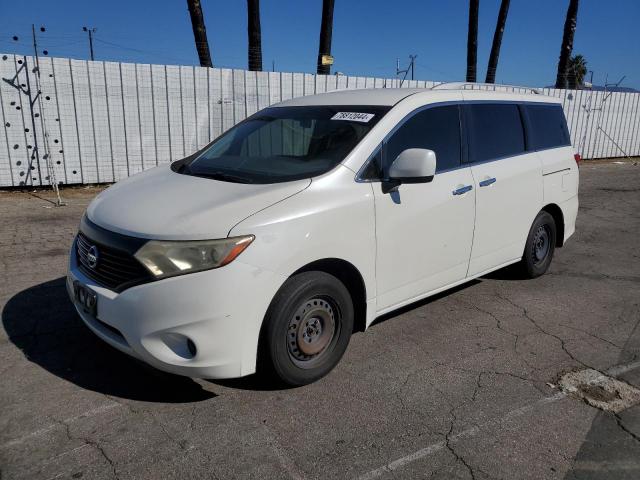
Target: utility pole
{"points": [[412, 62], [90, 31]]}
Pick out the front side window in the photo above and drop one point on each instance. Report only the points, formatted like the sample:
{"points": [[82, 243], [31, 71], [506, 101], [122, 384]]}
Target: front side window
{"points": [[436, 129], [548, 127], [282, 144], [495, 131]]}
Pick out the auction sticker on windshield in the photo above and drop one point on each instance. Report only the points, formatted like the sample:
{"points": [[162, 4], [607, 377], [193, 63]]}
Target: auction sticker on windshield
{"points": [[353, 116]]}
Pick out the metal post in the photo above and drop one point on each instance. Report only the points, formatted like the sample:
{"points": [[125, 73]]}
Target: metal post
{"points": [[91, 44], [90, 31], [35, 46], [413, 62]]}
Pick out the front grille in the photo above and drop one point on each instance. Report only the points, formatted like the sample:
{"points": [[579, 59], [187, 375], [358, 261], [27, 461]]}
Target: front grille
{"points": [[115, 269]]}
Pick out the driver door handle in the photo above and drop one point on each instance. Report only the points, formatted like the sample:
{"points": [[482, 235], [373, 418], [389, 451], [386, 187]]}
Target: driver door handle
{"points": [[462, 190]]}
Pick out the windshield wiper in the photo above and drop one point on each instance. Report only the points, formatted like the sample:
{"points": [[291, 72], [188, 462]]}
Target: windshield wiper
{"points": [[225, 177], [184, 168]]}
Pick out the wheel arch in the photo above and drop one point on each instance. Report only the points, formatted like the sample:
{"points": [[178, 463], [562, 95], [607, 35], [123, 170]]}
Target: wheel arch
{"points": [[344, 271], [558, 216], [351, 277]]}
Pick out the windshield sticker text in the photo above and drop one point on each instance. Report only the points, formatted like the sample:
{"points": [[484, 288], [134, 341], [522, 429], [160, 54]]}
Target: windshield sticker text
{"points": [[353, 116]]}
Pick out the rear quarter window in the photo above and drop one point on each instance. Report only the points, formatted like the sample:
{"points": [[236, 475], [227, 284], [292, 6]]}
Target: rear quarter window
{"points": [[547, 127]]}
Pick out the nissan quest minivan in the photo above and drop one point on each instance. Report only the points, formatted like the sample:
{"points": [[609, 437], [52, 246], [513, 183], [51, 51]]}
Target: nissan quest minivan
{"points": [[268, 248]]}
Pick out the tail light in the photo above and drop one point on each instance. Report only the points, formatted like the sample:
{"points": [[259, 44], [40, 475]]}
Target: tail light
{"points": [[577, 158]]}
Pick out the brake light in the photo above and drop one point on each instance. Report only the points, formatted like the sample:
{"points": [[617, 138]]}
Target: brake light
{"points": [[577, 158]]}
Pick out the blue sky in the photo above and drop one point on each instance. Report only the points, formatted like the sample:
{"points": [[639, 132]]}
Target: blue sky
{"points": [[368, 35]]}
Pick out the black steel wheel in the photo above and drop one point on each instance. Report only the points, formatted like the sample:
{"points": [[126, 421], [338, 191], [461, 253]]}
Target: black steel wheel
{"points": [[540, 246], [307, 328]]}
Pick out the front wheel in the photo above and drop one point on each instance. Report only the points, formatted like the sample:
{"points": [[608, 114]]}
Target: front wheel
{"points": [[541, 244], [307, 328]]}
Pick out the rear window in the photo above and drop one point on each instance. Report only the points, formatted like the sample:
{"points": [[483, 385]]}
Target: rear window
{"points": [[495, 131], [548, 127]]}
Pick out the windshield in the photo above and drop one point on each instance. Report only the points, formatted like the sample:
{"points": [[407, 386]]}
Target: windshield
{"points": [[281, 144]]}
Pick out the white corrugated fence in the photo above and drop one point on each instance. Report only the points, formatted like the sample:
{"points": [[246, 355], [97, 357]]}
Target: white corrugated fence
{"points": [[105, 121]]}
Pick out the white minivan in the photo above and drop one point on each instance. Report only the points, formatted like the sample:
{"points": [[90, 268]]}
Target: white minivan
{"points": [[268, 248]]}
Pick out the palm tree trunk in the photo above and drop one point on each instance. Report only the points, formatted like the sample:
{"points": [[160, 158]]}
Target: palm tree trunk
{"points": [[199, 32], [255, 35], [567, 43], [497, 42], [472, 41], [326, 31]]}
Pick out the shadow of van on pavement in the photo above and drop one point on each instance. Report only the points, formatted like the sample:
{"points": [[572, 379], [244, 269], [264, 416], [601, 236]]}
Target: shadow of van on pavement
{"points": [[43, 324]]}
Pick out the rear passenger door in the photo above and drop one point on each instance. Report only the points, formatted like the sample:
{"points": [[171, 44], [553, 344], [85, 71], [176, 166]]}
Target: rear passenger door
{"points": [[508, 183]]}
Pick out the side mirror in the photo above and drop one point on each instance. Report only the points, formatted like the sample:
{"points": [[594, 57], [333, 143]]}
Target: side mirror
{"points": [[413, 165]]}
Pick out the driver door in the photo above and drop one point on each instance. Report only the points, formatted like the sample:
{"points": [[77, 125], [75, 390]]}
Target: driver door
{"points": [[424, 231]]}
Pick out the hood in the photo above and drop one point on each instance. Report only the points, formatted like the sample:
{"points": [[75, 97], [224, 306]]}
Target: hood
{"points": [[164, 205]]}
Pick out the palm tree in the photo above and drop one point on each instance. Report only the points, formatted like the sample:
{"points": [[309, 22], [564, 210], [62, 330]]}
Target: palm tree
{"points": [[326, 31], [497, 42], [567, 43], [199, 32], [576, 71], [255, 35], [472, 40]]}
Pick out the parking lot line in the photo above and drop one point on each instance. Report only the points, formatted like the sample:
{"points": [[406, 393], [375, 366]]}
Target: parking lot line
{"points": [[89, 413], [470, 432]]}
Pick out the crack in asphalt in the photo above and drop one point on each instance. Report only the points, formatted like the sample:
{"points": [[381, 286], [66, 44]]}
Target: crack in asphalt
{"points": [[449, 444], [497, 320], [88, 441], [526, 315], [591, 335], [398, 391], [181, 444], [478, 386], [532, 379], [624, 428], [595, 276], [499, 326]]}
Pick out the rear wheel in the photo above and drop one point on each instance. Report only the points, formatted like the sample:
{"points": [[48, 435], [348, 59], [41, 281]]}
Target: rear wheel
{"points": [[307, 328], [540, 246]]}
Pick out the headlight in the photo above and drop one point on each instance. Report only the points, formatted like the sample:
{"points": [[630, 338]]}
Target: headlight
{"points": [[168, 258]]}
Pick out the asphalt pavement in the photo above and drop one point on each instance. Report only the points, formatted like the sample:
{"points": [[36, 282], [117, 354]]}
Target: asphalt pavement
{"points": [[463, 385]]}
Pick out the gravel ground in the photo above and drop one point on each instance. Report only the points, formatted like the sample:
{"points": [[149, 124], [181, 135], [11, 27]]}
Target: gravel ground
{"points": [[462, 385]]}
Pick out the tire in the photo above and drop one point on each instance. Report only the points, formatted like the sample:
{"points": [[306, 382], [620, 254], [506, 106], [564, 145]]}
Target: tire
{"points": [[540, 246], [306, 329]]}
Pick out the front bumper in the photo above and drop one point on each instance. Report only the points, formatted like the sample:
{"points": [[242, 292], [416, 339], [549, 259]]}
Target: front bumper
{"points": [[220, 311]]}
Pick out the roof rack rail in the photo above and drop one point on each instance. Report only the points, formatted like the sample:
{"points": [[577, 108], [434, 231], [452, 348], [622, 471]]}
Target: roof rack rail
{"points": [[483, 86]]}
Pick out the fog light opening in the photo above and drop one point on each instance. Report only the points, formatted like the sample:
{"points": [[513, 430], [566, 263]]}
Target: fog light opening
{"points": [[191, 347], [180, 345]]}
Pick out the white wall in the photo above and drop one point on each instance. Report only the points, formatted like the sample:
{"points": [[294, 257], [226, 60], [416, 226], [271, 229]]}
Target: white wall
{"points": [[106, 120]]}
